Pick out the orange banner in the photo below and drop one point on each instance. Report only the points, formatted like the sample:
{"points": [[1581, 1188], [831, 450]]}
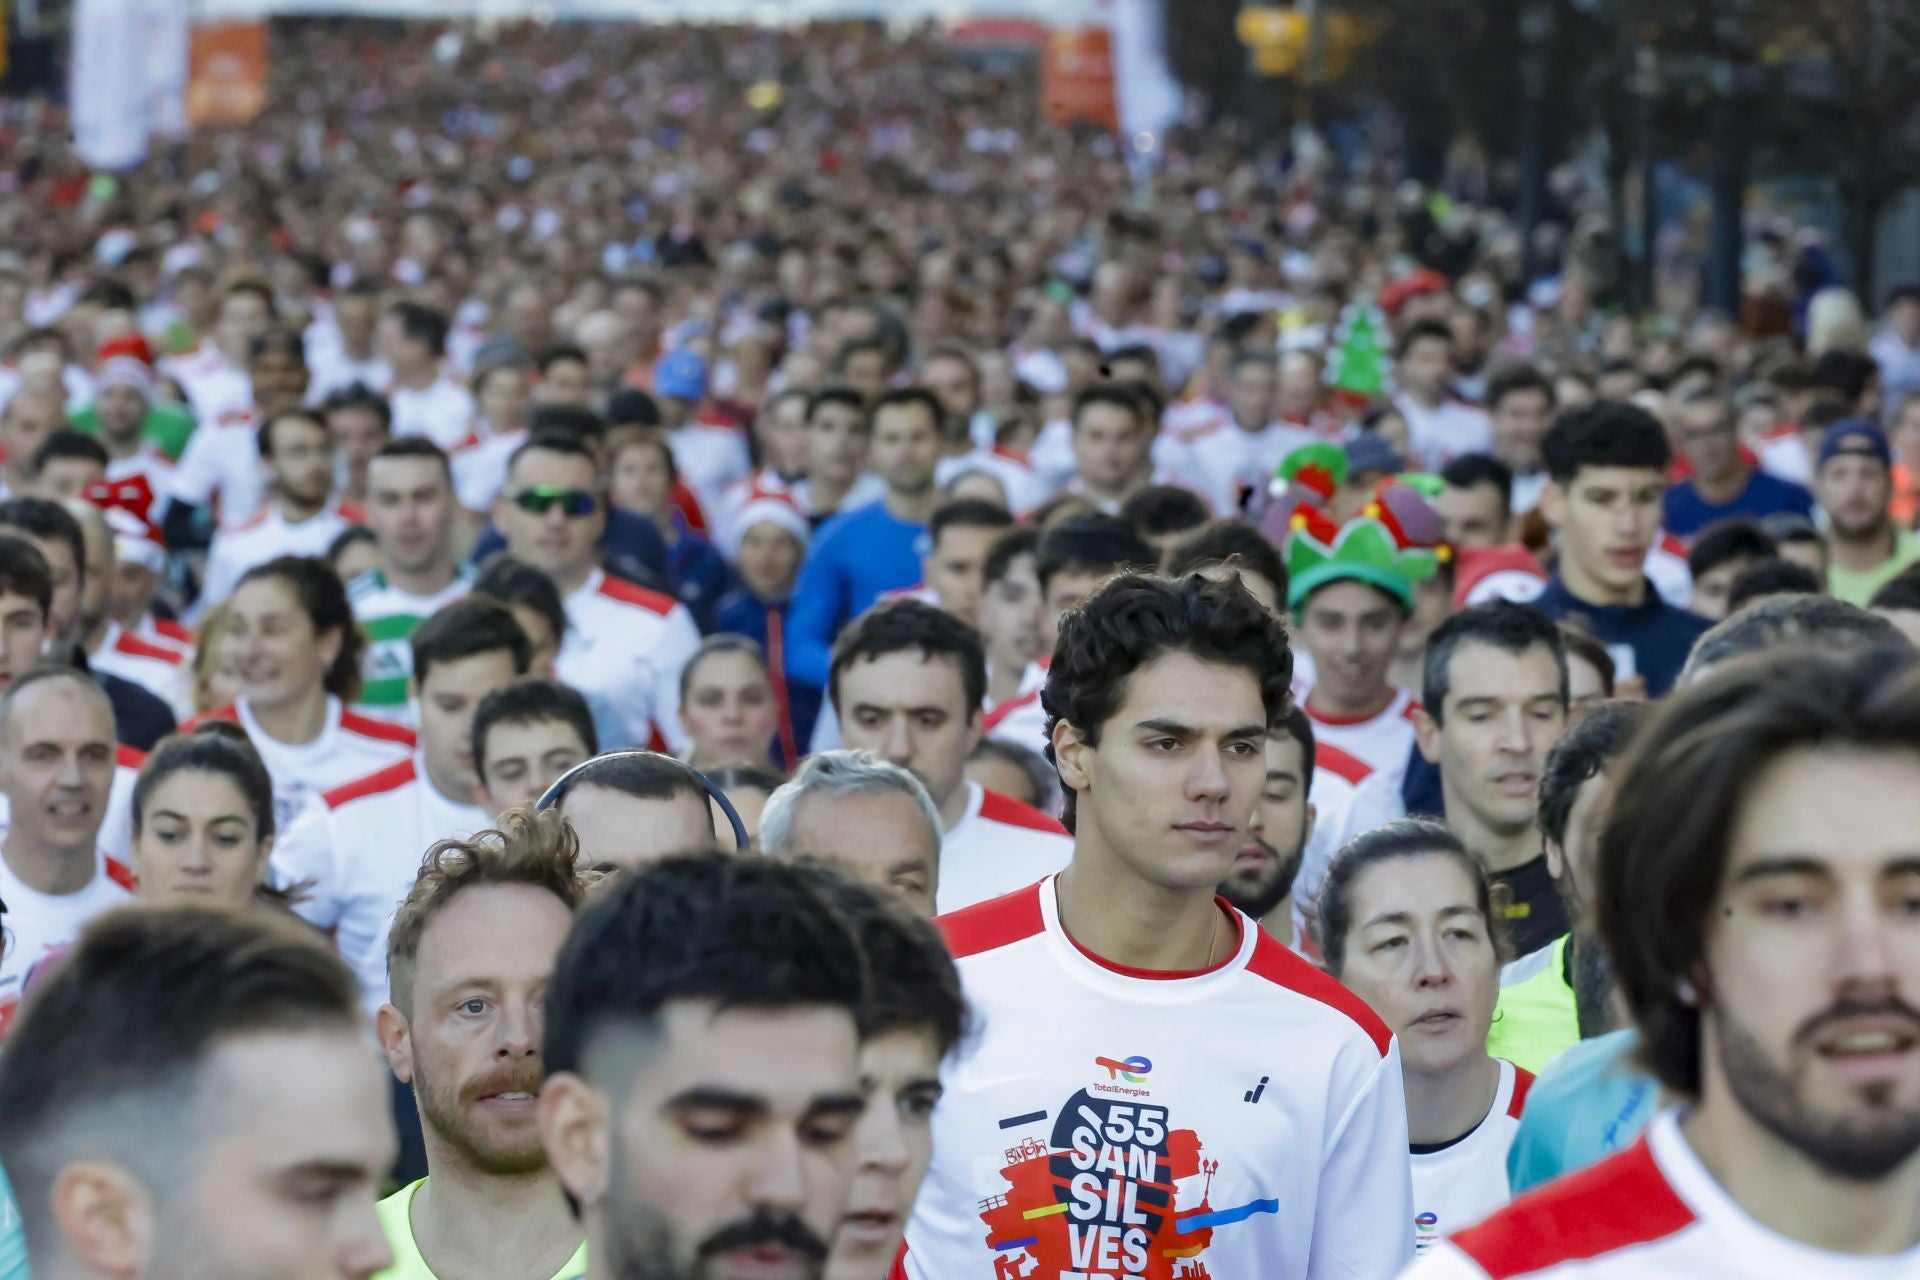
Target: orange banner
{"points": [[1077, 87], [227, 72]]}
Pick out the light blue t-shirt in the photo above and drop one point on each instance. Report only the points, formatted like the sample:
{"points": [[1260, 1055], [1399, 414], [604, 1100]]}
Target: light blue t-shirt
{"points": [[1590, 1102], [13, 1235]]}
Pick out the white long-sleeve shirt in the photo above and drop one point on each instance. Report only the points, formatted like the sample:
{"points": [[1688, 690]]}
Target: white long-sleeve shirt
{"points": [[1247, 1118]]}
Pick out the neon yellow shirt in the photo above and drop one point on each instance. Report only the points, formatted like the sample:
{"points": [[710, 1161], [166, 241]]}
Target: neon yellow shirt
{"points": [[396, 1219], [1535, 1020]]}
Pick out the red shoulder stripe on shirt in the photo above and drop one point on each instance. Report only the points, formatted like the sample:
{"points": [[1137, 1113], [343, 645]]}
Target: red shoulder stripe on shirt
{"points": [[1672, 545], [126, 757], [995, 807], [174, 631], [1578, 1217], [1522, 1082], [1340, 763], [1411, 711], [381, 730], [991, 721], [996, 923], [1273, 961], [122, 874], [626, 593], [129, 643], [391, 778], [228, 712]]}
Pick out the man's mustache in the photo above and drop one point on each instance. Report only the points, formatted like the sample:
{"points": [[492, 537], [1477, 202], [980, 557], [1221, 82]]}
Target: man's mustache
{"points": [[766, 1228]]}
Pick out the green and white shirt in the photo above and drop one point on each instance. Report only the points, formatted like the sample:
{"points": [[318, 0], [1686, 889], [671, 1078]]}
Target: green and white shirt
{"points": [[388, 616]]}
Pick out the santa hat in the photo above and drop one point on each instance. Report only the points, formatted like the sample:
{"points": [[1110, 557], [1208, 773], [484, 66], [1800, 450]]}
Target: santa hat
{"points": [[126, 504], [1497, 573], [767, 508], [125, 361]]}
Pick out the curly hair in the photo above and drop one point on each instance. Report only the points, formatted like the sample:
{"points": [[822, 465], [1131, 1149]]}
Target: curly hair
{"points": [[1134, 618]]}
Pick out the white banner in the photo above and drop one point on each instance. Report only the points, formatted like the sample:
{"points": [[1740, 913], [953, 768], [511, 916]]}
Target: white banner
{"points": [[759, 12], [107, 83]]}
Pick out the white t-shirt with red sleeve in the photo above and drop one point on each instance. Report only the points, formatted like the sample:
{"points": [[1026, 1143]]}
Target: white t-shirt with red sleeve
{"points": [[1241, 1121], [350, 746], [1462, 1182], [1381, 741], [41, 924], [998, 845], [628, 644], [1651, 1212]]}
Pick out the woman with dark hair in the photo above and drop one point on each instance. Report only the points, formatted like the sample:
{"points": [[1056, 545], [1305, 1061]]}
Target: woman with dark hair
{"points": [[296, 651], [1406, 922], [727, 704], [203, 819]]}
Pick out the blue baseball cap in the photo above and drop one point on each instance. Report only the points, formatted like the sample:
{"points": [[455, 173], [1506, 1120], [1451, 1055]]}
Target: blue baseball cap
{"points": [[1858, 437], [1371, 452], [682, 374]]}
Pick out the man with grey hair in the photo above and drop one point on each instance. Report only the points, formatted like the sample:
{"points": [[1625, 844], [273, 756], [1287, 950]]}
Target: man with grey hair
{"points": [[868, 818]]}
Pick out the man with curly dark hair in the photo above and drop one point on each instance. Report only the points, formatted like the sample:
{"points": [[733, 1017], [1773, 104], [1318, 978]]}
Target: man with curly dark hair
{"points": [[1199, 1090]]}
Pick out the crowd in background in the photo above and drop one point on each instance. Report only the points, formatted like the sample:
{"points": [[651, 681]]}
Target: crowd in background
{"points": [[726, 437]]}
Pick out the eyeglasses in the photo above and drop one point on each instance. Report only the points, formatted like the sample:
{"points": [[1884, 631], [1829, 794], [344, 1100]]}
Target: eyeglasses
{"points": [[541, 498]]}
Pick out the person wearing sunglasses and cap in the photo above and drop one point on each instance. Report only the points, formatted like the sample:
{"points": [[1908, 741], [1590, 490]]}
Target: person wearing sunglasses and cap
{"points": [[622, 641]]}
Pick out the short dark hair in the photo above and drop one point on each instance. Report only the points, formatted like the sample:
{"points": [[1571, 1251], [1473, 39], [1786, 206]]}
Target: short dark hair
{"points": [[840, 394], [901, 397], [298, 413], [1042, 782], [1020, 540], [1583, 753], [512, 581], [24, 572], [423, 324], [912, 626], [1161, 509], [548, 440], [1902, 591], [1471, 470], [345, 540], [129, 1020], [1296, 724], [1418, 331], [1091, 543], [359, 395], [1662, 858], [44, 520], [233, 758], [1848, 372], [1234, 544], [1810, 619], [556, 353], [465, 629], [569, 419], [912, 983], [1606, 433], [67, 443], [629, 406], [1725, 540], [324, 600], [1402, 838], [1513, 379], [1113, 394], [1134, 618], [1499, 624], [644, 775], [532, 702], [415, 447], [966, 513], [1581, 644], [1772, 578], [279, 340], [741, 932]]}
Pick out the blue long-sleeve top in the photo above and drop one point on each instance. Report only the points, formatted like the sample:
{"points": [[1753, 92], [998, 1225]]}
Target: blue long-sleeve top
{"points": [[857, 557]]}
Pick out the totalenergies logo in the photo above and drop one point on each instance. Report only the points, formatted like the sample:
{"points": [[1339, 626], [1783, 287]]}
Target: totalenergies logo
{"points": [[1133, 1070]]}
